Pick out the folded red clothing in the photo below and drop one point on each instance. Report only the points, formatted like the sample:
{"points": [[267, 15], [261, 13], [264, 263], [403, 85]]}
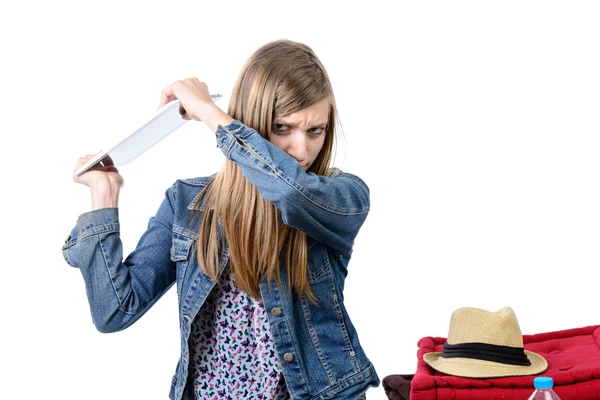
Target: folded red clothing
{"points": [[573, 363]]}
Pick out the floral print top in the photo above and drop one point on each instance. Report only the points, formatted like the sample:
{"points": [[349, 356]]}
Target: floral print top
{"points": [[232, 353]]}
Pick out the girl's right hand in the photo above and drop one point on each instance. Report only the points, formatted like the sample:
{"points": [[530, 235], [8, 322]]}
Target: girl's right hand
{"points": [[108, 175]]}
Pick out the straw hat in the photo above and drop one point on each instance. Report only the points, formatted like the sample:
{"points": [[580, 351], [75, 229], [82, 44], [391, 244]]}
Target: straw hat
{"points": [[483, 344]]}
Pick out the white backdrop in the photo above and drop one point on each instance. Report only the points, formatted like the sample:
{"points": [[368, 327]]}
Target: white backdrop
{"points": [[474, 123]]}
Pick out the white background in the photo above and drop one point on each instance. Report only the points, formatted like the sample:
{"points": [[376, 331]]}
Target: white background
{"points": [[475, 124]]}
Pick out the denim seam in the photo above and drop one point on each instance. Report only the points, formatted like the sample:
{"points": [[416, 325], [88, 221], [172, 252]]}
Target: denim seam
{"points": [[276, 295], [180, 284], [94, 230], [343, 327], [361, 375], [112, 282], [326, 268], [234, 131], [315, 340], [228, 140], [326, 206], [192, 182], [185, 232], [183, 258], [256, 158], [230, 145]]}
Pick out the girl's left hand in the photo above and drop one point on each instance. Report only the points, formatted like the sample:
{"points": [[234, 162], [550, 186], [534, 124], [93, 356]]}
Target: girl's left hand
{"points": [[193, 95], [195, 99]]}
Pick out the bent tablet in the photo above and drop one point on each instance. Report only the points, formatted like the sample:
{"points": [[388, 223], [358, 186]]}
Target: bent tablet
{"points": [[166, 121]]}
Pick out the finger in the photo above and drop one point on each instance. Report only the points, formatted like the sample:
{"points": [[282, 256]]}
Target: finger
{"points": [[198, 84], [84, 159], [81, 161], [165, 98], [168, 94]]}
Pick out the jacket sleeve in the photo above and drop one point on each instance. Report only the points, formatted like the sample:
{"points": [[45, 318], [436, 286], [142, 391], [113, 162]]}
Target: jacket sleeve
{"points": [[120, 292], [329, 208]]}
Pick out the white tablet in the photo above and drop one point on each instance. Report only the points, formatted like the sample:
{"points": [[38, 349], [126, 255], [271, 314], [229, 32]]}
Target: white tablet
{"points": [[165, 121]]}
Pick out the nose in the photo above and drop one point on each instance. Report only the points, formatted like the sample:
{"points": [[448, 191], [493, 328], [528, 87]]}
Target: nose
{"points": [[298, 147]]}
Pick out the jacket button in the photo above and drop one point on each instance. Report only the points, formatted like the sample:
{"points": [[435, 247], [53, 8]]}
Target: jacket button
{"points": [[288, 357], [67, 239], [276, 311]]}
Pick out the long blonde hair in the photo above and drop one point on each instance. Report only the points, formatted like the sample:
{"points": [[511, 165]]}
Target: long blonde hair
{"points": [[278, 79]]}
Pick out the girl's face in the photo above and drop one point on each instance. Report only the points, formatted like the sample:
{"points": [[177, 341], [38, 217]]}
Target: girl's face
{"points": [[302, 134]]}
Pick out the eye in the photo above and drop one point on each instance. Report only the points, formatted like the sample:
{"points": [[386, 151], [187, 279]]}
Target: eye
{"points": [[316, 131], [281, 129]]}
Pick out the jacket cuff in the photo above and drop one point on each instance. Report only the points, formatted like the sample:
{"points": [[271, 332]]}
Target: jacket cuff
{"points": [[227, 135], [103, 220]]}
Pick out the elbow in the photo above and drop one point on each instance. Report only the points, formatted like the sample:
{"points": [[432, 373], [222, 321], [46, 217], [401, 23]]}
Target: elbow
{"points": [[106, 323], [103, 326]]}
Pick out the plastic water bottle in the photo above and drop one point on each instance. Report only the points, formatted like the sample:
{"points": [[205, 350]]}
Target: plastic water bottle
{"points": [[543, 389]]}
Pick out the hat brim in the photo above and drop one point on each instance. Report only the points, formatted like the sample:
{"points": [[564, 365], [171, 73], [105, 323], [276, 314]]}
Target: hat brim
{"points": [[473, 368]]}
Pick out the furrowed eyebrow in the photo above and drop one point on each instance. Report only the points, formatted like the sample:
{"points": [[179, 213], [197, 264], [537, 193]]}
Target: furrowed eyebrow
{"points": [[294, 124]]}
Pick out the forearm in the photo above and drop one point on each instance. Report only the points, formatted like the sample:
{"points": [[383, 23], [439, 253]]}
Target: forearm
{"points": [[121, 290], [104, 195], [214, 117], [329, 208]]}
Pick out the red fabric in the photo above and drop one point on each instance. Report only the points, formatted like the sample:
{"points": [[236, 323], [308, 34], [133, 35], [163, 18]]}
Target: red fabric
{"points": [[573, 363]]}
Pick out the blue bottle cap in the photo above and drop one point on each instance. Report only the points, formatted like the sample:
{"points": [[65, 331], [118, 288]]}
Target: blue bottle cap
{"points": [[543, 382]]}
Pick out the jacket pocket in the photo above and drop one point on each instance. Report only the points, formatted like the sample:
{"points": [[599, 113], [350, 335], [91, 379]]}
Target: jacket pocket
{"points": [[318, 262]]}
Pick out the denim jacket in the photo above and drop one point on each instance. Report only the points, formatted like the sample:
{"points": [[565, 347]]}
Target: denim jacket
{"points": [[320, 351]]}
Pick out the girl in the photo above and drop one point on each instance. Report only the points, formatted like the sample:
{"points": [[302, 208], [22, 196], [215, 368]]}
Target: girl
{"points": [[259, 251]]}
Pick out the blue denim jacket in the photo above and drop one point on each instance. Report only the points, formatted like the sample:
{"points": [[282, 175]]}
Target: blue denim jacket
{"points": [[318, 345]]}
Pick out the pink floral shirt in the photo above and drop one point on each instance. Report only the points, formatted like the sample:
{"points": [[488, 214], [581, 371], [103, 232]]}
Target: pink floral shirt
{"points": [[232, 353]]}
